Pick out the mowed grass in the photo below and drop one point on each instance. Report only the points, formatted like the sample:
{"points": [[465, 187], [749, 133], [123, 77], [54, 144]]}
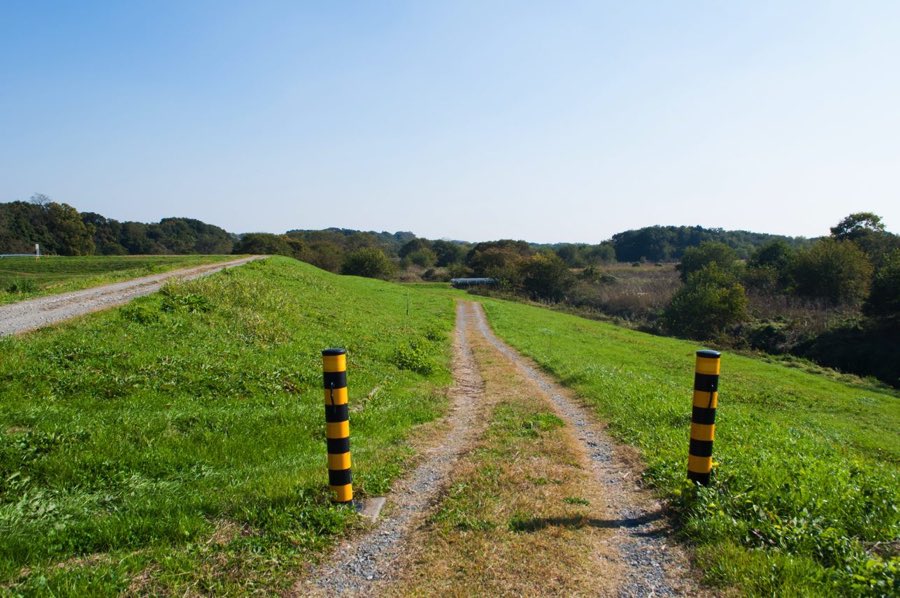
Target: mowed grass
{"points": [[176, 445], [806, 491], [27, 277]]}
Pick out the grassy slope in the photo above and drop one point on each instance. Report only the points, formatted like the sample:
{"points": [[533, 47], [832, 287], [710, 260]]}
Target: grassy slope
{"points": [[25, 277], [807, 490], [177, 444]]}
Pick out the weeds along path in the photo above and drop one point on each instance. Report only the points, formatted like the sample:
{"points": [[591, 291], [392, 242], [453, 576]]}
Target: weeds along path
{"points": [[651, 564], [360, 565], [25, 316]]}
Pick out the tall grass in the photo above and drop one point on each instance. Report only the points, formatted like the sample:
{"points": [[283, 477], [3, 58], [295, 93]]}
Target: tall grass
{"points": [[806, 493], [177, 444]]}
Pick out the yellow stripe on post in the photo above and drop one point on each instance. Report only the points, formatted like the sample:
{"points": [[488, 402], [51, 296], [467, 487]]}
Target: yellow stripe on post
{"points": [[339, 461], [337, 429], [343, 493], [699, 464], [336, 396], [703, 399], [701, 432], [335, 363]]}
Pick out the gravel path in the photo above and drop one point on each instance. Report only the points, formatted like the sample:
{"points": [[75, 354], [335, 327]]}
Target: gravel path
{"points": [[25, 316], [359, 566], [655, 565]]}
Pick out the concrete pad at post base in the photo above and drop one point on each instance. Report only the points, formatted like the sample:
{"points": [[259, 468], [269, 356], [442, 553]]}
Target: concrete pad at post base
{"points": [[370, 508]]}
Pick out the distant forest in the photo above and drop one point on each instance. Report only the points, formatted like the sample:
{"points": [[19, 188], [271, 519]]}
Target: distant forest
{"points": [[60, 229]]}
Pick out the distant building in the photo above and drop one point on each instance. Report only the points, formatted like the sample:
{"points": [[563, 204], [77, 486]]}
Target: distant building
{"points": [[464, 283]]}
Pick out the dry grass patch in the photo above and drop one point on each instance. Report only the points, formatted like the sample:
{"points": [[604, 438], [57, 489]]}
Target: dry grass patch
{"points": [[523, 515]]}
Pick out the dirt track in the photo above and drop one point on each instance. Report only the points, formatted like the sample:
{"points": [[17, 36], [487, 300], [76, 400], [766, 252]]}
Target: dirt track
{"points": [[25, 316], [639, 547]]}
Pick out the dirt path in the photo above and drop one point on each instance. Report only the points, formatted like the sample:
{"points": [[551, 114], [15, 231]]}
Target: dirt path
{"points": [[361, 565], [25, 316], [654, 564], [590, 528]]}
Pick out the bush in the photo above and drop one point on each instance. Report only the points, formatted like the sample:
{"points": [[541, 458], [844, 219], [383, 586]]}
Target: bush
{"points": [[546, 276], [710, 302], [368, 262], [883, 304], [835, 271], [710, 252]]}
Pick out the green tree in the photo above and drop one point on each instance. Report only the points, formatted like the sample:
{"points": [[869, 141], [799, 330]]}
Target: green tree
{"points": [[883, 303], [708, 304], [448, 252], [857, 225], [414, 246], [71, 235], [835, 271], [769, 268], [264, 244], [708, 252], [369, 262], [422, 257]]}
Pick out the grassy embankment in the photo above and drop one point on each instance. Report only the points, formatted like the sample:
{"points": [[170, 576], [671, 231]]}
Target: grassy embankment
{"points": [[807, 492], [176, 445], [26, 277]]}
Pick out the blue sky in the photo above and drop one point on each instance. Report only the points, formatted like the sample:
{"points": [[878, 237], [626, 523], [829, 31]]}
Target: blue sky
{"points": [[546, 121]]}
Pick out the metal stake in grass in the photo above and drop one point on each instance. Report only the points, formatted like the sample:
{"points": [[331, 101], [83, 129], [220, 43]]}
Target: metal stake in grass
{"points": [[337, 424], [703, 415]]}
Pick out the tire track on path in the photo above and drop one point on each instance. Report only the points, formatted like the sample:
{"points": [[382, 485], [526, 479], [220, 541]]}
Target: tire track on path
{"points": [[25, 316], [655, 566], [361, 565]]}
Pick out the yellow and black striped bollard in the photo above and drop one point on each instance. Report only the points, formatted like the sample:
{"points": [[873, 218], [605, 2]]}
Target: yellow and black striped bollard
{"points": [[337, 424], [703, 416]]}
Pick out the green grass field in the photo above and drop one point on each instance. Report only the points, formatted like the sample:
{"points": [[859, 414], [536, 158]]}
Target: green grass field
{"points": [[176, 444], [806, 493], [26, 277]]}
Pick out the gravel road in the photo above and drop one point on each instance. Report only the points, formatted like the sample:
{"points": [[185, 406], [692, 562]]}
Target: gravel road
{"points": [[25, 316]]}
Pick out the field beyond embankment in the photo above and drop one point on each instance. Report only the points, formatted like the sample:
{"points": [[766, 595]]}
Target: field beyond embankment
{"points": [[806, 495], [176, 445]]}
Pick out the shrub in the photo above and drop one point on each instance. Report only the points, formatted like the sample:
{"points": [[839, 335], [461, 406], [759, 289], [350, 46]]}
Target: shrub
{"points": [[883, 304], [368, 262], [835, 271], [710, 302], [709, 252], [546, 276]]}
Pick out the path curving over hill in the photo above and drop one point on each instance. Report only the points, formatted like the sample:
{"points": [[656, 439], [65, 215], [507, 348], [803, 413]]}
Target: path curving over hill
{"points": [[25, 316]]}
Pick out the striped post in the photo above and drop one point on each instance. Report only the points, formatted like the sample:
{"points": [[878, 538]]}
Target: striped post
{"points": [[337, 424], [703, 416]]}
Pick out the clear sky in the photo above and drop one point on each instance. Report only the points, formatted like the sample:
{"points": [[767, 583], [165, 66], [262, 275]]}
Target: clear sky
{"points": [[546, 121]]}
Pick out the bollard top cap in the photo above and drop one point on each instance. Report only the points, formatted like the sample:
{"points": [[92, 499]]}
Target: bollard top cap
{"points": [[709, 354], [333, 351]]}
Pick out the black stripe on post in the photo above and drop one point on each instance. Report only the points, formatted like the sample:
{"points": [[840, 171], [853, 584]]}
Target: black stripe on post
{"points": [[702, 415], [336, 379], [701, 448], [339, 477], [336, 446], [337, 413], [706, 382], [703, 478]]}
